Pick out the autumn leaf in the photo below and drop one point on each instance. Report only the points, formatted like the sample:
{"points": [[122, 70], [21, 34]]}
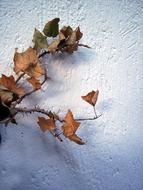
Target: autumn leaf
{"points": [[69, 128], [46, 124], [10, 84], [51, 29], [75, 36], [53, 46], [72, 38], [35, 71], [34, 82], [39, 40], [67, 31], [57, 44], [76, 139], [28, 63], [91, 97]]}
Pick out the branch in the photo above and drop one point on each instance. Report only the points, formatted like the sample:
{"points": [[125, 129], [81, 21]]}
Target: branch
{"points": [[31, 92], [86, 46], [48, 113], [88, 119], [39, 110], [32, 110], [47, 52], [19, 77]]}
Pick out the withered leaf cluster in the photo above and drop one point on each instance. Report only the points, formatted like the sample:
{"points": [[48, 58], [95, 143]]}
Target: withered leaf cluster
{"points": [[65, 39], [27, 66]]}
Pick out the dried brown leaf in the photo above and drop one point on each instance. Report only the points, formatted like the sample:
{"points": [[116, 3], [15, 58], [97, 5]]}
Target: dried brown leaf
{"points": [[91, 97], [46, 124], [10, 84], [69, 128], [34, 82], [76, 139], [28, 63]]}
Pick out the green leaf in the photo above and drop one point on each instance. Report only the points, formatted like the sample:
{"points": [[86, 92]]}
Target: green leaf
{"points": [[40, 41], [51, 29]]}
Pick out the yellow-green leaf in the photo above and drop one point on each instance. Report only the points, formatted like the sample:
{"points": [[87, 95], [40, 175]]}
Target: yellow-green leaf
{"points": [[39, 40]]}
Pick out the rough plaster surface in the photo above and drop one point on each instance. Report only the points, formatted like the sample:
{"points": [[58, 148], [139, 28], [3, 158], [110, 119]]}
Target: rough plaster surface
{"points": [[112, 158]]}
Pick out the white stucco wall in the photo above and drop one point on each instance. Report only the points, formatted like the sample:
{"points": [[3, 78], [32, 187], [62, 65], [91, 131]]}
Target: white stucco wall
{"points": [[112, 158]]}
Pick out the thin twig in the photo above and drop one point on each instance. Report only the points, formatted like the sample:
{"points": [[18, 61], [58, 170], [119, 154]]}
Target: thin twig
{"points": [[32, 91], [19, 77], [43, 53], [39, 110], [84, 45], [32, 110], [48, 113], [56, 135], [47, 52], [94, 111], [88, 119]]}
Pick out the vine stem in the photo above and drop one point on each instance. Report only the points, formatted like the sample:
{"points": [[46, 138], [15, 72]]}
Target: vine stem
{"points": [[31, 92], [19, 77], [94, 111], [48, 113], [47, 52]]}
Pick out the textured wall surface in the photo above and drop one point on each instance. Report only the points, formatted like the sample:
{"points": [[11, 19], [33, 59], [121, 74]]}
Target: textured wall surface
{"points": [[112, 158]]}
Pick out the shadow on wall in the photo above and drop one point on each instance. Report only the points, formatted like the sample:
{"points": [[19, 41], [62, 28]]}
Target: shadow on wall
{"points": [[61, 70]]}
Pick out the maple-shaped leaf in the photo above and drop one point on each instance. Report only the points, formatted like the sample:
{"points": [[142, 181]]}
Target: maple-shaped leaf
{"points": [[46, 124], [34, 82], [91, 97], [39, 40], [51, 29], [10, 84], [28, 63], [69, 128]]}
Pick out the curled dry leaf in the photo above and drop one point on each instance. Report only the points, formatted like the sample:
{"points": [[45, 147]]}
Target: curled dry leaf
{"points": [[57, 43], [34, 82], [66, 40], [72, 38], [91, 97], [46, 124], [69, 128], [67, 31], [28, 63]]}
